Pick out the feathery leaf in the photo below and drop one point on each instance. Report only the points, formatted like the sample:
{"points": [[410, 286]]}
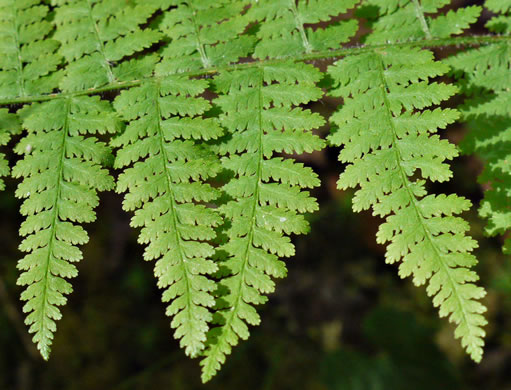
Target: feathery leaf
{"points": [[204, 34], [405, 20], [28, 63], [384, 156], [62, 173], [266, 200], [96, 35], [164, 172], [283, 32]]}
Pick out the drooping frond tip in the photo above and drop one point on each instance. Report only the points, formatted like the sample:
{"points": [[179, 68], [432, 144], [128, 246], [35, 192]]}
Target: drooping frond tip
{"points": [[266, 196], [61, 171], [165, 168], [387, 130]]}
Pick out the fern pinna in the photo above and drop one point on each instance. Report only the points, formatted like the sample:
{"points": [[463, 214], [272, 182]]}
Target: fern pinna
{"points": [[96, 35], [209, 112], [62, 173], [203, 34], [266, 196], [28, 65], [405, 20], [284, 33], [385, 129], [165, 184]]}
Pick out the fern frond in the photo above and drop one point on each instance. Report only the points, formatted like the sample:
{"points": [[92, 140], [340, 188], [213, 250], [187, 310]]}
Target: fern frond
{"points": [[386, 130], [62, 174], [283, 33], [204, 34], [96, 35], [9, 125], [28, 61], [266, 197], [165, 167], [405, 20]]}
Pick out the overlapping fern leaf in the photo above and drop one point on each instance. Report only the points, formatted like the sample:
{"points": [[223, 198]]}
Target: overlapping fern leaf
{"points": [[266, 196], [387, 127], [165, 168], [204, 34], [9, 125], [62, 173], [283, 30], [28, 62], [484, 75], [97, 35], [405, 20]]}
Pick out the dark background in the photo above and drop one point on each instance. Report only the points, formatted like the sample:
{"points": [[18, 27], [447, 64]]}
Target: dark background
{"points": [[341, 320]]}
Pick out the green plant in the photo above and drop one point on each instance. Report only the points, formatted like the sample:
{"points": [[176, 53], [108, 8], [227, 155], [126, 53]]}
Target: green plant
{"points": [[207, 115]]}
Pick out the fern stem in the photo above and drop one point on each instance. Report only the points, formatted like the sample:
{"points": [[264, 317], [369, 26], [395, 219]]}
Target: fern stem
{"points": [[420, 15], [172, 211], [107, 66], [200, 46], [299, 25], [475, 40], [45, 352], [19, 63], [211, 357]]}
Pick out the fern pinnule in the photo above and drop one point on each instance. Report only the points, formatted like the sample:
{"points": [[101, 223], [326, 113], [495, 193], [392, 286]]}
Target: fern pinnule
{"points": [[62, 173], [405, 20], [28, 62], [165, 169], [95, 37], [283, 31], [266, 196], [386, 130], [203, 34]]}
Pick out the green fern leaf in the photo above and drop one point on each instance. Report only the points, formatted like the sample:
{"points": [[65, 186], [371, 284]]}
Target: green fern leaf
{"points": [[204, 34], [28, 63], [266, 197], [384, 156], [405, 20], [283, 32], [96, 35], [164, 172], [62, 173]]}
